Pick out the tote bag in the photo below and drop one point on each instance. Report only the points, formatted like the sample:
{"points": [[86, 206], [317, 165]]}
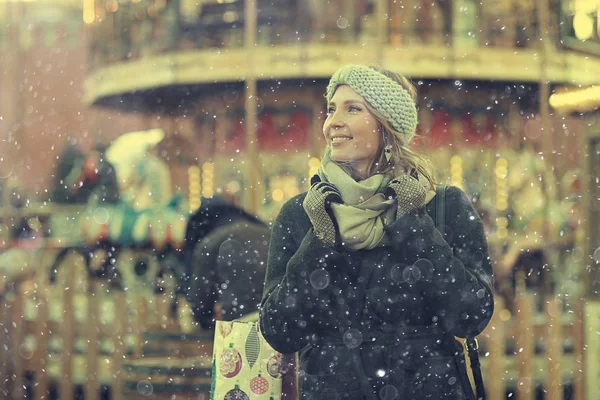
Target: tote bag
{"points": [[244, 366]]}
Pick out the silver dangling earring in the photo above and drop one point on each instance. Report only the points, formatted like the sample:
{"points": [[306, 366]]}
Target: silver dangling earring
{"points": [[387, 151]]}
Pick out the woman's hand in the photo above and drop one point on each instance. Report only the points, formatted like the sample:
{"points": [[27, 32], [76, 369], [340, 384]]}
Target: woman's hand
{"points": [[317, 205], [408, 192]]}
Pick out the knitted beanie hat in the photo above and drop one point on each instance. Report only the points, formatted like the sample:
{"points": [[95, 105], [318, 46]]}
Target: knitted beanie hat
{"points": [[382, 93]]}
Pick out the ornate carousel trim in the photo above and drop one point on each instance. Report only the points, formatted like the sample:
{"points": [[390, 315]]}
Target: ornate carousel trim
{"points": [[321, 60]]}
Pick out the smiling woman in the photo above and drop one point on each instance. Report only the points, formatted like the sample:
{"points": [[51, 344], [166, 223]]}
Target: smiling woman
{"points": [[351, 131], [395, 120], [359, 279]]}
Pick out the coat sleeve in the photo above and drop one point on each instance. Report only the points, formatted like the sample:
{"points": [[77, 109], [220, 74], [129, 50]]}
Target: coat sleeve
{"points": [[203, 290], [299, 294], [459, 285]]}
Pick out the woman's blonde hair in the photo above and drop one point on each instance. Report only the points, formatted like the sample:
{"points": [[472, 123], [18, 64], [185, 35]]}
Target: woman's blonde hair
{"points": [[403, 159]]}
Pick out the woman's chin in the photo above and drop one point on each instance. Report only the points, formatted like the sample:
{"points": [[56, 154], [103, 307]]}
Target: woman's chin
{"points": [[339, 156]]}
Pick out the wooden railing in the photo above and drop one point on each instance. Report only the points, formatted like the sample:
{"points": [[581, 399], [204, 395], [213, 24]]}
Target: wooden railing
{"points": [[529, 349], [82, 347], [519, 351]]}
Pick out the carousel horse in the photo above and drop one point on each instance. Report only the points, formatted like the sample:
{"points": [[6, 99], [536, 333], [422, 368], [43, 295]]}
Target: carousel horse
{"points": [[225, 257], [88, 179], [110, 225], [131, 250], [150, 241]]}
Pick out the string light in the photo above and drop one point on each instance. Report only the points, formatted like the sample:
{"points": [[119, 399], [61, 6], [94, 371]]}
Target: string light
{"points": [[501, 174], [89, 11], [112, 6], [277, 195], [588, 98], [583, 25], [194, 188], [456, 171], [313, 166], [208, 179], [583, 20]]}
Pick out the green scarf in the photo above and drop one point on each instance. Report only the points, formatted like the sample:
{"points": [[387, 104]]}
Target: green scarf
{"points": [[365, 210]]}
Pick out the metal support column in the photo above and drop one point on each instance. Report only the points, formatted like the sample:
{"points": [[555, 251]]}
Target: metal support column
{"points": [[252, 174]]}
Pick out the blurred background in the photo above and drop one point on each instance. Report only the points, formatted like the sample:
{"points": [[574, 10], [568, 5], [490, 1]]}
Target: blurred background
{"points": [[128, 126]]}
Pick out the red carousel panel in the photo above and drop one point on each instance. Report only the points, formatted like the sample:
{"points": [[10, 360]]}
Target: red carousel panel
{"points": [[234, 137], [479, 129], [440, 133]]}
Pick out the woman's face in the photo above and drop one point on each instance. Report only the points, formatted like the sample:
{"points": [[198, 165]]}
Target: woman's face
{"points": [[351, 130]]}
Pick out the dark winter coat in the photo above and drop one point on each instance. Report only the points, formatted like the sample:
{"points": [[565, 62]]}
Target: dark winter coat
{"points": [[225, 258], [228, 268], [376, 323]]}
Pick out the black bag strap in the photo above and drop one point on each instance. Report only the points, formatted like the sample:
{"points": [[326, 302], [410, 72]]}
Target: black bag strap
{"points": [[471, 343], [440, 205], [472, 349]]}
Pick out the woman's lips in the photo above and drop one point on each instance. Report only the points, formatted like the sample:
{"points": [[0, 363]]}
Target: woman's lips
{"points": [[340, 140]]}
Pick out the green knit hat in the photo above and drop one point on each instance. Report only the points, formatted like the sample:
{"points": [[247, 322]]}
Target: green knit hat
{"points": [[382, 93]]}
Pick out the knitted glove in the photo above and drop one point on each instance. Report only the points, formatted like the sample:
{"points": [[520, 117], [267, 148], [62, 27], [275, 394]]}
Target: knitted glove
{"points": [[409, 193], [317, 205]]}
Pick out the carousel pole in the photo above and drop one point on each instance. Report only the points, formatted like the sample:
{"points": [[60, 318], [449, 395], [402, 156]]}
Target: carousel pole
{"points": [[553, 349], [544, 104], [252, 177], [544, 84], [544, 96]]}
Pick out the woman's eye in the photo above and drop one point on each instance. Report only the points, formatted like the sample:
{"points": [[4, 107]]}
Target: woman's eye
{"points": [[330, 110], [353, 108]]}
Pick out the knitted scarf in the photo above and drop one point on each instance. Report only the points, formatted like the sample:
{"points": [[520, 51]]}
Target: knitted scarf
{"points": [[361, 218], [366, 210]]}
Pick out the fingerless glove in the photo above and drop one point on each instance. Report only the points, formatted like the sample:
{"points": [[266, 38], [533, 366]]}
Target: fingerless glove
{"points": [[317, 205], [408, 192]]}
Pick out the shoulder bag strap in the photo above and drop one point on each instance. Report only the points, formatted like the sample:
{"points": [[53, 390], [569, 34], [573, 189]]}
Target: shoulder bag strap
{"points": [[440, 204], [471, 343], [472, 349]]}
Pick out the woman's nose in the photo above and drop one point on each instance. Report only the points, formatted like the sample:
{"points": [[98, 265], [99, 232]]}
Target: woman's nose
{"points": [[336, 120], [330, 126]]}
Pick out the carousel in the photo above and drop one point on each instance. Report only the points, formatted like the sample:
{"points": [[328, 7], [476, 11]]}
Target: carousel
{"points": [[133, 272]]}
